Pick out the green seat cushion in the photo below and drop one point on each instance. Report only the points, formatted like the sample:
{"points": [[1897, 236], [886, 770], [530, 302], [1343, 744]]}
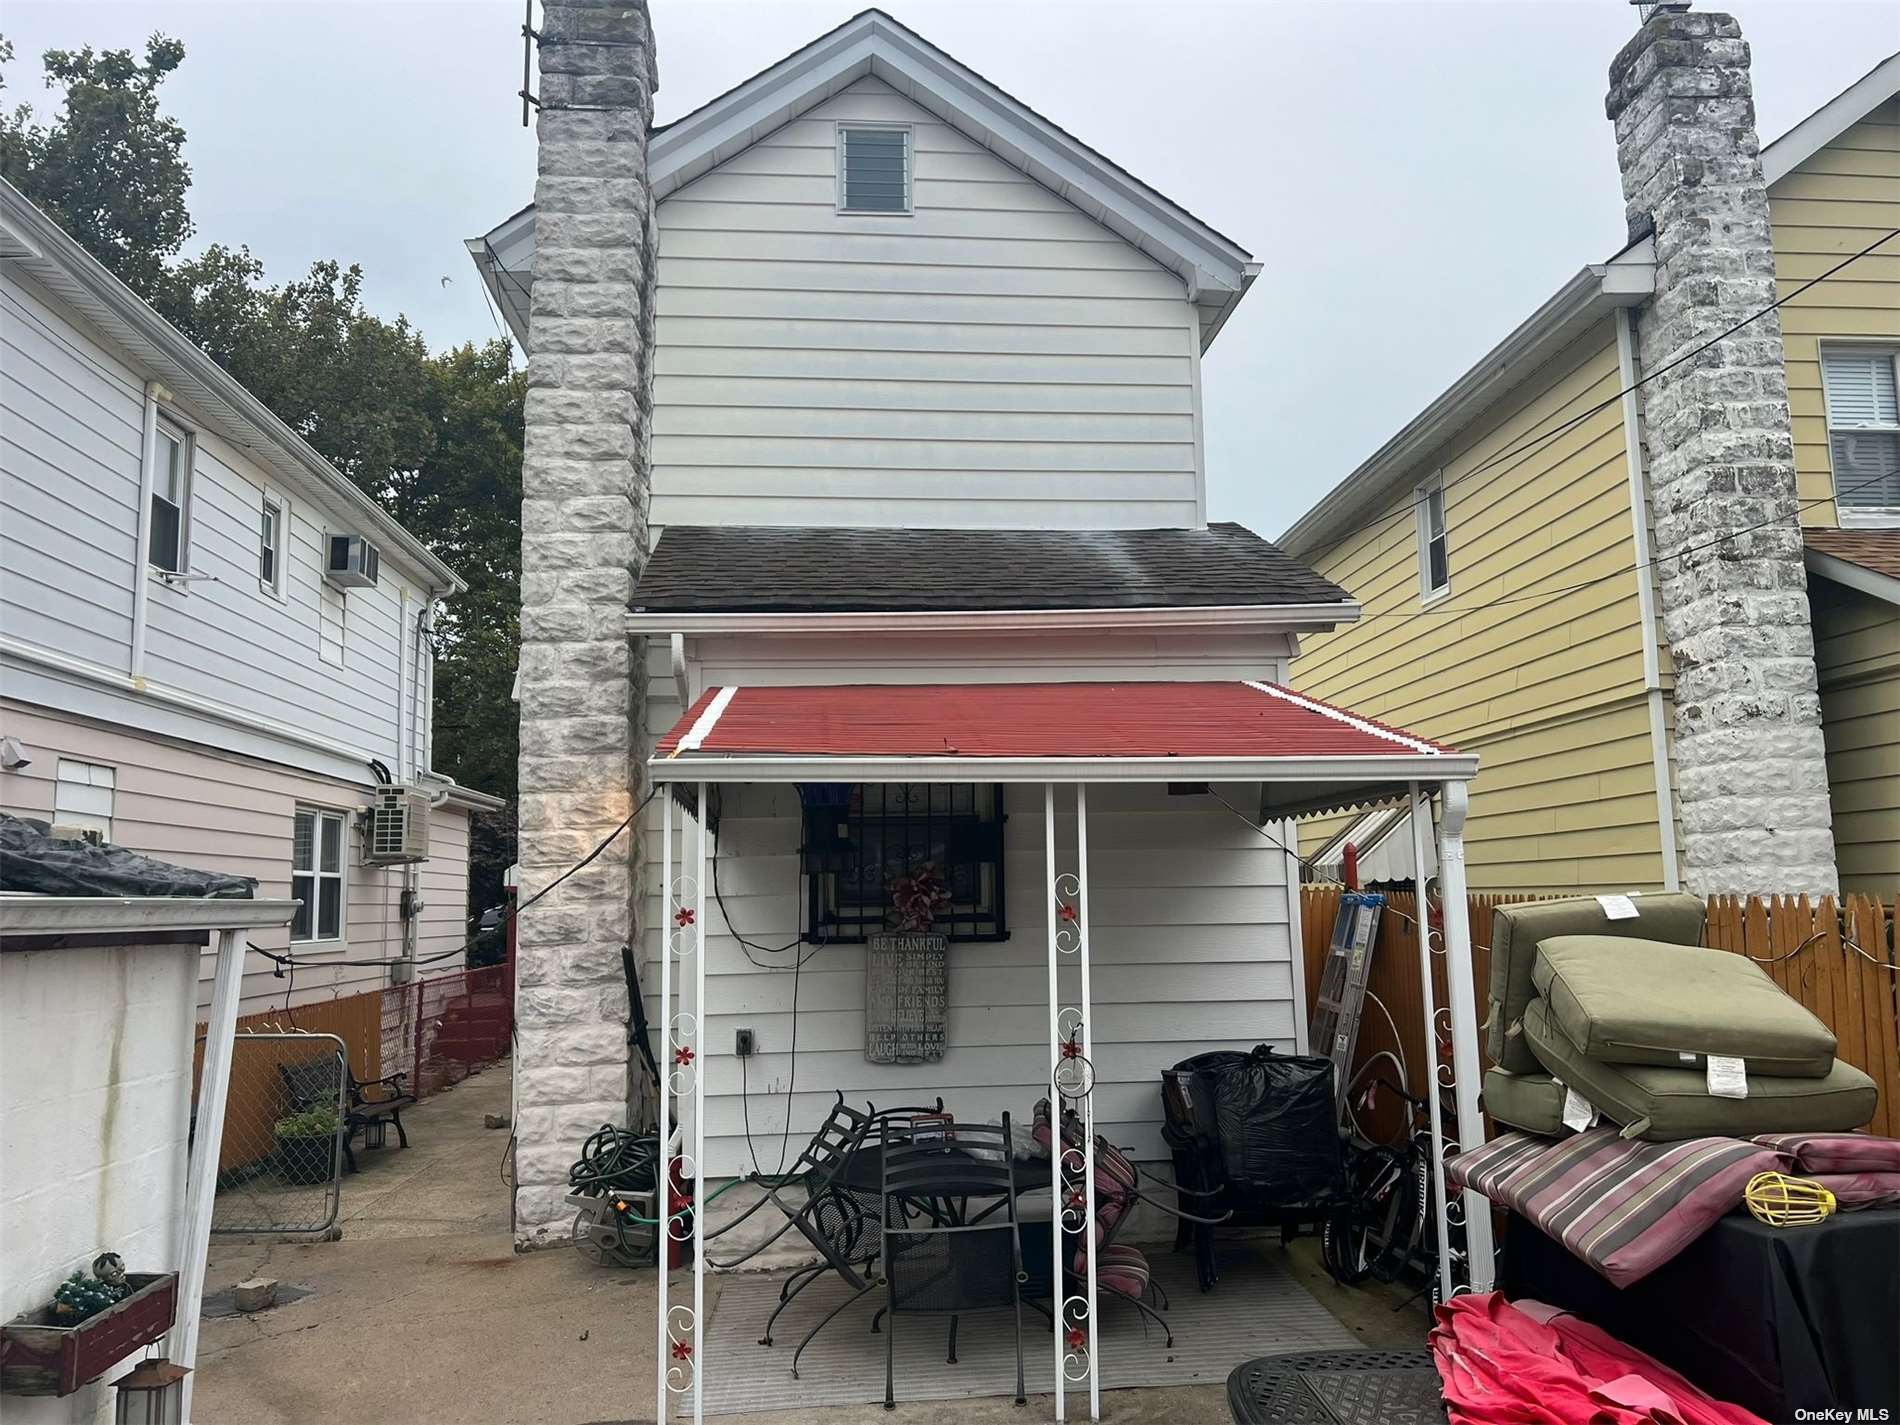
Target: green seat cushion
{"points": [[1661, 1105], [1533, 1102], [1516, 931], [1643, 1002]]}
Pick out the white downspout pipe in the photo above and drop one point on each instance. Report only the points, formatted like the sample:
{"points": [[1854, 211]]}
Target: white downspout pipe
{"points": [[1646, 596], [1466, 1067], [148, 482]]}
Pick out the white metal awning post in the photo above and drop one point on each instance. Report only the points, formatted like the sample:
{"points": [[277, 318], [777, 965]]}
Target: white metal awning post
{"points": [[1071, 1083], [1466, 1067], [682, 936], [1428, 995]]}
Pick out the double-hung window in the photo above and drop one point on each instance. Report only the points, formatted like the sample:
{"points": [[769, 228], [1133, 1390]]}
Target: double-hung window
{"points": [[316, 874], [170, 539], [1863, 426], [873, 169], [1434, 546], [270, 546]]}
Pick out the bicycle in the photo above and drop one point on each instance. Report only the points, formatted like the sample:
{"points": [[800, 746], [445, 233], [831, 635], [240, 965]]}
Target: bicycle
{"points": [[1385, 1228]]}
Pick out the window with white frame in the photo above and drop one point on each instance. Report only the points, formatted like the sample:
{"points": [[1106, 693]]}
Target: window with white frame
{"points": [[170, 539], [82, 797], [270, 546], [1862, 384], [1434, 547], [873, 168], [316, 874]]}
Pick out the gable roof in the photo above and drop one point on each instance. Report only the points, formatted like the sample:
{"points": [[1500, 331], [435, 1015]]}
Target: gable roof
{"points": [[705, 569], [1627, 279], [1214, 268], [32, 242], [1831, 120]]}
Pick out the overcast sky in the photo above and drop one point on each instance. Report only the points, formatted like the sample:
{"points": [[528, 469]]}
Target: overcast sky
{"points": [[1415, 177]]}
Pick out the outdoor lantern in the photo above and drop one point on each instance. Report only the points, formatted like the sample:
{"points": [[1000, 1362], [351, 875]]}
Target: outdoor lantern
{"points": [[152, 1393]]}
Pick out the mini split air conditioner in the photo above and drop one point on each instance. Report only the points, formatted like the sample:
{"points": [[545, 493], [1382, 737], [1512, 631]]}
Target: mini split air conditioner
{"points": [[354, 562], [399, 826]]}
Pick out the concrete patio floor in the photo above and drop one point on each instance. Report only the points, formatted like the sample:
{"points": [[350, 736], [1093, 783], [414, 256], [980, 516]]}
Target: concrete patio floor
{"points": [[423, 1314]]}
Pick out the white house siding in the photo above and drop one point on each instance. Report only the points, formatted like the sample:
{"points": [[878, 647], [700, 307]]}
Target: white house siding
{"points": [[71, 428], [232, 814], [996, 358], [1190, 930], [95, 1057]]}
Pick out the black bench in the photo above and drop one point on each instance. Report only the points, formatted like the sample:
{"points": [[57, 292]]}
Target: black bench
{"points": [[368, 1107]]}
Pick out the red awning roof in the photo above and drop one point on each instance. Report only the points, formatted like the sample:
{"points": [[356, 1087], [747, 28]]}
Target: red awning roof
{"points": [[1244, 721]]}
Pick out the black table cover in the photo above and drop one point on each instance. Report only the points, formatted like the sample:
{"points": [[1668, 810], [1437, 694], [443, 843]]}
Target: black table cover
{"points": [[1774, 1319]]}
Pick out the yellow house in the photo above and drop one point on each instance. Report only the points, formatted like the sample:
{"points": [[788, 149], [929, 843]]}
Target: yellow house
{"points": [[1503, 548]]}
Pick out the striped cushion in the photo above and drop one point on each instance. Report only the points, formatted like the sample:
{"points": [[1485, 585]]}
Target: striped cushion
{"points": [[1836, 1152], [1624, 1207]]}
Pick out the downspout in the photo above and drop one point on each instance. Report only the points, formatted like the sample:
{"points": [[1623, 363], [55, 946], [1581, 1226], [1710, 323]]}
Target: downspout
{"points": [[1646, 597], [141, 576], [409, 766], [682, 685]]}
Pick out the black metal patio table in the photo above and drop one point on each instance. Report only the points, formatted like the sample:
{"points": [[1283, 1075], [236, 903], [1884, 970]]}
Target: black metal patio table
{"points": [[946, 1193]]}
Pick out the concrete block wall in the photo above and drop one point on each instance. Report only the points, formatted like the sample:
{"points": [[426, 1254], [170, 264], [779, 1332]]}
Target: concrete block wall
{"points": [[1751, 767], [583, 544]]}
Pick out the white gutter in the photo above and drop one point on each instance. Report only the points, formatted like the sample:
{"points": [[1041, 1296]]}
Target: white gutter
{"points": [[1646, 598], [1399, 768], [1288, 617], [116, 915], [148, 482]]}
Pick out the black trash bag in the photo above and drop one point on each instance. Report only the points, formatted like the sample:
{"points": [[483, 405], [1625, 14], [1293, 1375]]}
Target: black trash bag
{"points": [[1267, 1121], [32, 859]]}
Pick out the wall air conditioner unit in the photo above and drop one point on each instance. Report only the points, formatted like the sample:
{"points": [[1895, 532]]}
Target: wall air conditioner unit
{"points": [[398, 826], [354, 562]]}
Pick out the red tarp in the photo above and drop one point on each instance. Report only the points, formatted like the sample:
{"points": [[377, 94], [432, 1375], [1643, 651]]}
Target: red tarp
{"points": [[1529, 1364]]}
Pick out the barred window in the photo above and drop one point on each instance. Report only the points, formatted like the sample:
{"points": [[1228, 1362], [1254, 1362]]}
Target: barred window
{"points": [[862, 841]]}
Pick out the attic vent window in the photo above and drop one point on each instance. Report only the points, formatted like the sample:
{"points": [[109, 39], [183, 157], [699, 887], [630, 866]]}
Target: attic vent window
{"points": [[874, 170]]}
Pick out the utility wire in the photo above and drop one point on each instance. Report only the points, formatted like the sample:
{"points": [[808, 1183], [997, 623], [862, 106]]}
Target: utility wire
{"points": [[1532, 444]]}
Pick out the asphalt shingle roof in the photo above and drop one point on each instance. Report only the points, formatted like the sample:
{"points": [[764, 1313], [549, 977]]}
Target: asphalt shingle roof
{"points": [[1875, 549], [761, 569]]}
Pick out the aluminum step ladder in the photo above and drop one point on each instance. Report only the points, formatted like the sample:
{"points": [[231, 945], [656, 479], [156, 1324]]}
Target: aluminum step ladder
{"points": [[1342, 983]]}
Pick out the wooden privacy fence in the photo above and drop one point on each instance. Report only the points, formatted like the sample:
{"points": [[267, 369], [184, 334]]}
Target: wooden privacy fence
{"points": [[1837, 959]]}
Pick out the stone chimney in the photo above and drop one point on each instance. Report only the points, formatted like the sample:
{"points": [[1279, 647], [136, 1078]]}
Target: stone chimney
{"points": [[1751, 770], [584, 485]]}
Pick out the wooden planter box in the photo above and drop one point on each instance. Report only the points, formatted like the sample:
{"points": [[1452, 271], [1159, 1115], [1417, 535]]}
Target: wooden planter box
{"points": [[39, 1358]]}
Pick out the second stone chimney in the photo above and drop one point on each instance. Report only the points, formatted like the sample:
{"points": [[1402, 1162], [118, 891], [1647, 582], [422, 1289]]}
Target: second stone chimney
{"points": [[1751, 769]]}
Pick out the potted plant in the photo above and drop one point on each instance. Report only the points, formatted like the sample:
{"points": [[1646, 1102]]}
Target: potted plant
{"points": [[306, 1145]]}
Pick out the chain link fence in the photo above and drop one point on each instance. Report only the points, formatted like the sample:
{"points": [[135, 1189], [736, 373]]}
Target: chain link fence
{"points": [[280, 1166]]}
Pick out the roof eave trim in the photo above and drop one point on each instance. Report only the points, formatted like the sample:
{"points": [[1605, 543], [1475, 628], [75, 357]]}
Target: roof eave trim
{"points": [[1381, 771], [1831, 120], [1853, 576], [873, 42], [65, 256], [1291, 617], [1627, 280]]}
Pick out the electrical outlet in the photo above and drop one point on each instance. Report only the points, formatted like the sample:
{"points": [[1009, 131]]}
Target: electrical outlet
{"points": [[745, 1043]]}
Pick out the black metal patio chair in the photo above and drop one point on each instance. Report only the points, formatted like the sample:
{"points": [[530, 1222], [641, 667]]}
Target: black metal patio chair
{"points": [[949, 1258], [838, 1215]]}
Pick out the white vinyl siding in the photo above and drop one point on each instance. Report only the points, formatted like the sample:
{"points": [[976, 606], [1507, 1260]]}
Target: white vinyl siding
{"points": [[71, 451], [1862, 386], [996, 359], [215, 810], [1189, 928]]}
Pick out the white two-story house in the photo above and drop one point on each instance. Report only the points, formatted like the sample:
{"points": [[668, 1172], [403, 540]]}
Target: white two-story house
{"points": [[927, 445], [213, 646]]}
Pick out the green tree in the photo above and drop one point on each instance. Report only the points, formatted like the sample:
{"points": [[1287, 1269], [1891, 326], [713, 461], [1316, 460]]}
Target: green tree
{"points": [[435, 438], [110, 168]]}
